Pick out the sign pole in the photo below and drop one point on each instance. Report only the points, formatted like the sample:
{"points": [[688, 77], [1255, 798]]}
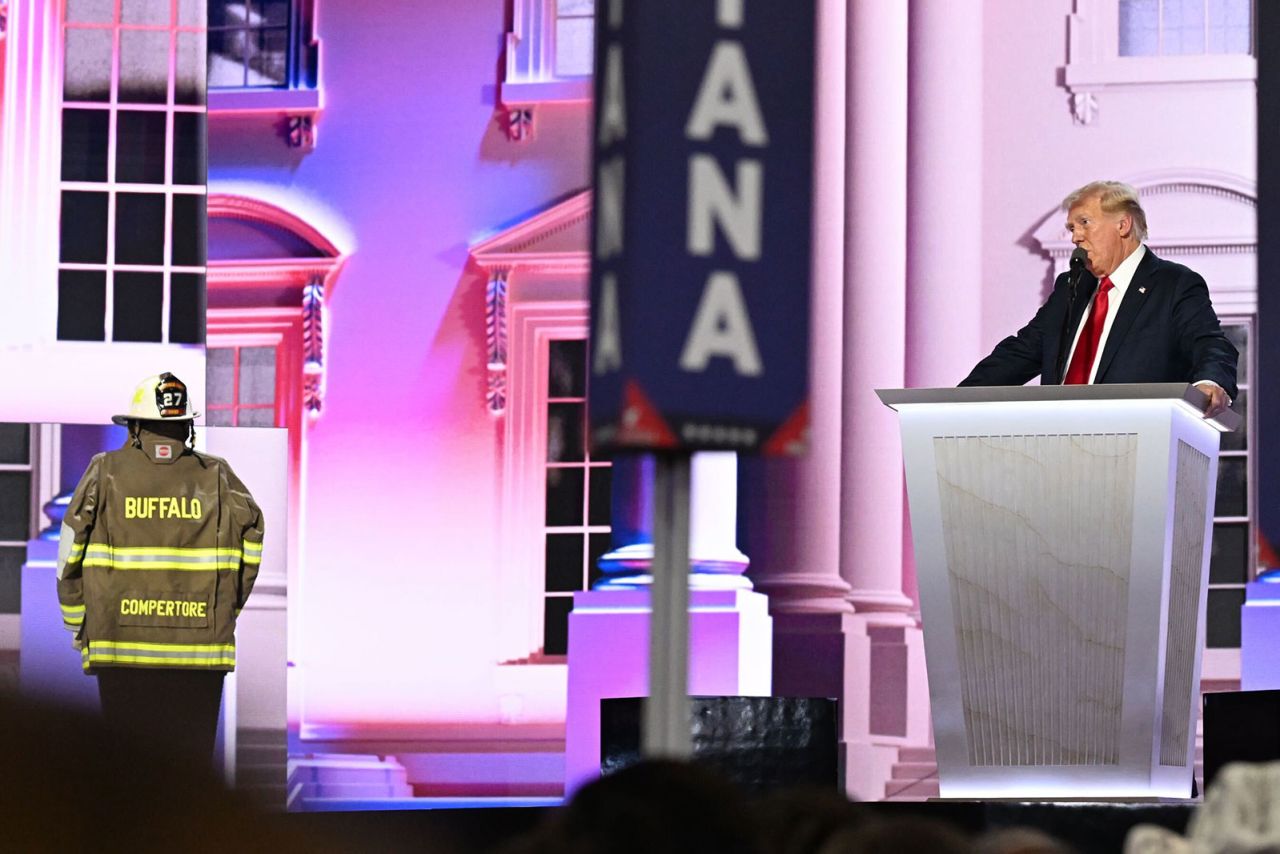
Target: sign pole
{"points": [[666, 712]]}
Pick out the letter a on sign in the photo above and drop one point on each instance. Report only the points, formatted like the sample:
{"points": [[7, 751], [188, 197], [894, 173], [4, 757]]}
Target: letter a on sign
{"points": [[727, 97], [722, 328]]}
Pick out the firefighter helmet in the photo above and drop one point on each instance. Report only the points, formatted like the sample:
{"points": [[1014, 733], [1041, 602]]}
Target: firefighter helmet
{"points": [[158, 398]]}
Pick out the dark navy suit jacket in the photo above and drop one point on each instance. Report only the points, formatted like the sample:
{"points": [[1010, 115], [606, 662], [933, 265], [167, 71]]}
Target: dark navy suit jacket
{"points": [[1165, 331]]}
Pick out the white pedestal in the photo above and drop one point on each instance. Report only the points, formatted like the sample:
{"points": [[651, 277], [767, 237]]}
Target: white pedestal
{"points": [[1260, 637], [1062, 543], [730, 654]]}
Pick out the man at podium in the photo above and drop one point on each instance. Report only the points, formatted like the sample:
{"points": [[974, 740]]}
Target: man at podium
{"points": [[1120, 315]]}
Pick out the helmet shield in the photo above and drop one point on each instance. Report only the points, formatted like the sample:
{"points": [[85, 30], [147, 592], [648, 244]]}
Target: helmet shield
{"points": [[171, 397], [159, 398]]}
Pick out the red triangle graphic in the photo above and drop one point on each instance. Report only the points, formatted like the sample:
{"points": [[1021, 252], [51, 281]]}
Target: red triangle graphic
{"points": [[1266, 553], [640, 423], [792, 438]]}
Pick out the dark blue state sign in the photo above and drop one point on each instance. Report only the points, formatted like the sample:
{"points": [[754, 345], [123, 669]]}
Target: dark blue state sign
{"points": [[700, 255]]}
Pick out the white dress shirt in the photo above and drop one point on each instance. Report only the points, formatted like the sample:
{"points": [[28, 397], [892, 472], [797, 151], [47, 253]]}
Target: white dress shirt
{"points": [[1120, 280]]}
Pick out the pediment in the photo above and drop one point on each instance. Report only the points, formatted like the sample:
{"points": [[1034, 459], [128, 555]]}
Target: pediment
{"points": [[1187, 213], [555, 239]]}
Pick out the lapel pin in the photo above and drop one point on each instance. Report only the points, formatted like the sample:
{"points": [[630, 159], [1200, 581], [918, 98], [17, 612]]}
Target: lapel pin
{"points": [[1142, 290]]}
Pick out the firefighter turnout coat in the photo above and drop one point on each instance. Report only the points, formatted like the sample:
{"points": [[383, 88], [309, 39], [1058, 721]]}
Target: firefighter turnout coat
{"points": [[159, 551]]}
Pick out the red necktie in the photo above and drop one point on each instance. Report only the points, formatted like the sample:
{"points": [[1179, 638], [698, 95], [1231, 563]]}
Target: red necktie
{"points": [[1087, 346]]}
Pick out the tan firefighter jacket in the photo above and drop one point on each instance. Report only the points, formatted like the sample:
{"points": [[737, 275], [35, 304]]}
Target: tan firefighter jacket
{"points": [[160, 547]]}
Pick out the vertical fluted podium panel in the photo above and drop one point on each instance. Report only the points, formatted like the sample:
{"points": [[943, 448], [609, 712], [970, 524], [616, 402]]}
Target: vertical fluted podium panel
{"points": [[1037, 532], [1061, 541]]}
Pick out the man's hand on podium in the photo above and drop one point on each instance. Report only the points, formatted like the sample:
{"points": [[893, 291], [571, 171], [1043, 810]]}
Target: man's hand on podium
{"points": [[1218, 400]]}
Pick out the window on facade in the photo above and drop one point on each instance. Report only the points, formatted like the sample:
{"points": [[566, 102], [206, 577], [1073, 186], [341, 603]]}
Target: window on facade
{"points": [[241, 387], [132, 248], [1179, 27], [249, 43], [1231, 562], [16, 510], [575, 37], [576, 531]]}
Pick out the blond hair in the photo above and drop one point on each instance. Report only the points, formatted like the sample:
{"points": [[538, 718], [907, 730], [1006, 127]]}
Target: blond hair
{"points": [[1116, 197]]}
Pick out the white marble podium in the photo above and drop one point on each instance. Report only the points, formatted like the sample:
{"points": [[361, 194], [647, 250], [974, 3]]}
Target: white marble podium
{"points": [[1062, 543]]}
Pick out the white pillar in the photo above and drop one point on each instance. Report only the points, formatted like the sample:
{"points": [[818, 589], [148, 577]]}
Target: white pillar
{"points": [[943, 289], [871, 504], [714, 558], [29, 168], [713, 518], [875, 310], [944, 210], [794, 513]]}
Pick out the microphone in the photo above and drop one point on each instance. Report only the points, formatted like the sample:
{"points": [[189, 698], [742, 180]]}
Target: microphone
{"points": [[1078, 259]]}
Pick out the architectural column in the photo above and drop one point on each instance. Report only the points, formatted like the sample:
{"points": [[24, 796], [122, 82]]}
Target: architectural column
{"points": [[714, 558], [793, 508], [875, 310], [4, 28], [794, 514], [29, 169], [630, 518], [943, 290], [871, 492], [944, 193]]}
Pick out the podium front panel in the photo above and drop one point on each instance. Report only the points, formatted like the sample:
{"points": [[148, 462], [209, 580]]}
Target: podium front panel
{"points": [[1037, 532]]}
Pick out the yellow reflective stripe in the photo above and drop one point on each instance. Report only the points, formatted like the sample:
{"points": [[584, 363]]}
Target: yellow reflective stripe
{"points": [[72, 615], [103, 658], [77, 550], [102, 548], [170, 654], [175, 647], [250, 546], [154, 557], [188, 567]]}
